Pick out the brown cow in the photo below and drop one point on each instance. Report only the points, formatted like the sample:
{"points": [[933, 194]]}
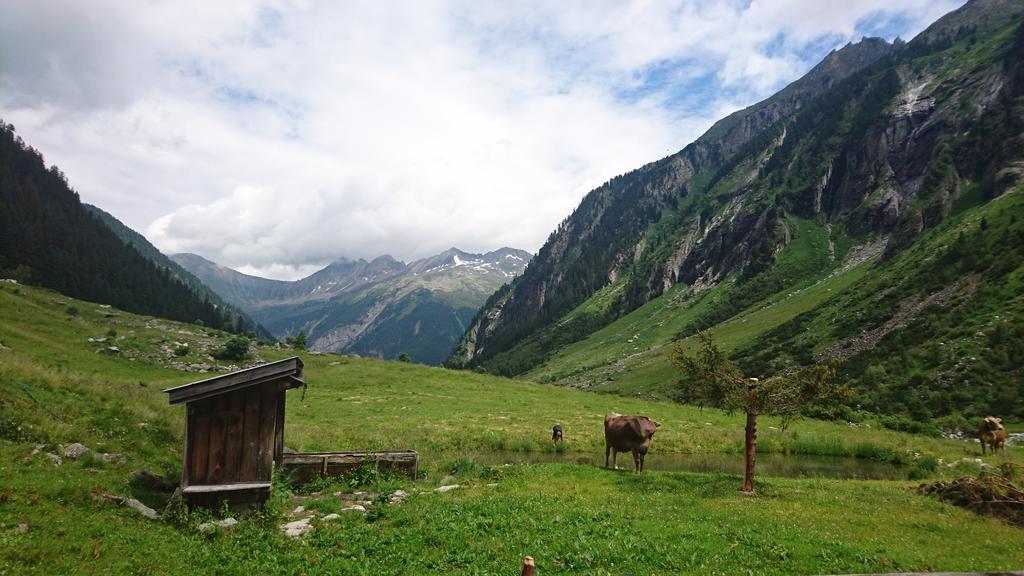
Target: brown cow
{"points": [[628, 434], [991, 432]]}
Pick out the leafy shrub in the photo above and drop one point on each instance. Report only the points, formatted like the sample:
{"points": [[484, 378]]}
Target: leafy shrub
{"points": [[181, 350], [111, 333], [236, 348], [72, 310], [905, 424], [363, 476]]}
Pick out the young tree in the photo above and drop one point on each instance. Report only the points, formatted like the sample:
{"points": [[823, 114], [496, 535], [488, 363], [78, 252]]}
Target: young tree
{"points": [[297, 342], [715, 381]]}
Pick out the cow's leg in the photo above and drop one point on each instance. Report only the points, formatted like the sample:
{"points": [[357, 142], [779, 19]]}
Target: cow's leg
{"points": [[615, 459], [636, 460], [607, 449], [982, 440], [643, 454]]}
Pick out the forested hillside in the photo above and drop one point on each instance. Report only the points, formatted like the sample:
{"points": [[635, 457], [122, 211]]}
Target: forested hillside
{"points": [[47, 237], [236, 318], [814, 213]]}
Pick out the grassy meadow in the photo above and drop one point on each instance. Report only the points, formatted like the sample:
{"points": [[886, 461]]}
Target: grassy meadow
{"points": [[55, 388]]}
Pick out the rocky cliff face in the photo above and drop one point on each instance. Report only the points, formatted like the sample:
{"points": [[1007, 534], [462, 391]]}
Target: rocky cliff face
{"points": [[878, 140], [378, 308]]}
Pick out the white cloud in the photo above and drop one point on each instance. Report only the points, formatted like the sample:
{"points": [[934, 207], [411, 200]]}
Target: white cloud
{"points": [[276, 136]]}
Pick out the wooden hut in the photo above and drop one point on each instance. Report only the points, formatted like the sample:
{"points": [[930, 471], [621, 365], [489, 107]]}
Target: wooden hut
{"points": [[234, 433]]}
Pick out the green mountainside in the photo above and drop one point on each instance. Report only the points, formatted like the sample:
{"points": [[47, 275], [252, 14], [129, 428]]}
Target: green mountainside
{"points": [[380, 308], [48, 237], [868, 212]]}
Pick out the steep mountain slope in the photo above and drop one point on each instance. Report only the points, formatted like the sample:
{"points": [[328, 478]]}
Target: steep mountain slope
{"points": [[379, 308], [239, 320], [48, 237], [766, 205], [608, 232]]}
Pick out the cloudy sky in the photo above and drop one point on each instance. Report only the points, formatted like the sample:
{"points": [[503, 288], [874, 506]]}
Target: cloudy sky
{"points": [[276, 136]]}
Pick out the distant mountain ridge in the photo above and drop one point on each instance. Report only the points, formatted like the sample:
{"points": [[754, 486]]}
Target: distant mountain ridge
{"points": [[381, 307]]}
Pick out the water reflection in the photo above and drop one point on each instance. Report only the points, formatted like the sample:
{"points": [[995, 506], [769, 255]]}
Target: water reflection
{"points": [[768, 464]]}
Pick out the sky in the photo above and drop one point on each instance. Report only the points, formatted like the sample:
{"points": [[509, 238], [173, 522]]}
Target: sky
{"points": [[277, 136]]}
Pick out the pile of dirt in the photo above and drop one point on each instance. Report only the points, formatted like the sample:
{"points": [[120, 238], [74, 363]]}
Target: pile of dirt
{"points": [[993, 494]]}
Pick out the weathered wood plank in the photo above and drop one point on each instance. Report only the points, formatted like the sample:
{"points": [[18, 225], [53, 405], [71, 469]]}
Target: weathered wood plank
{"points": [[268, 418], [279, 426], [215, 468], [237, 498], [250, 436], [200, 449], [207, 488], [248, 377], [233, 420], [303, 467]]}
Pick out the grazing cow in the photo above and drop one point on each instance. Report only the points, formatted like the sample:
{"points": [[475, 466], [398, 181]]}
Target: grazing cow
{"points": [[991, 432], [628, 434]]}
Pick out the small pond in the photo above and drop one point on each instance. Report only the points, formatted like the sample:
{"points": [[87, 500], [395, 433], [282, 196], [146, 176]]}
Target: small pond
{"points": [[768, 464]]}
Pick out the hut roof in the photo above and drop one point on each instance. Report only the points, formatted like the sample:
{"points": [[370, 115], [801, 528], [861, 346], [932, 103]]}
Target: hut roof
{"points": [[289, 369]]}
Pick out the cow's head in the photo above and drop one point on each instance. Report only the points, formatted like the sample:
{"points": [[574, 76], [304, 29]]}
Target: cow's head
{"points": [[992, 423]]}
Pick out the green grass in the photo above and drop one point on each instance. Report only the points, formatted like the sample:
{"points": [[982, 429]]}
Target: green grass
{"points": [[607, 361], [574, 519], [361, 403]]}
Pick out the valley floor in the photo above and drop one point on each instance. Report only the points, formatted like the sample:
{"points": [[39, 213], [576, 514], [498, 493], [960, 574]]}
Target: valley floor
{"points": [[574, 519]]}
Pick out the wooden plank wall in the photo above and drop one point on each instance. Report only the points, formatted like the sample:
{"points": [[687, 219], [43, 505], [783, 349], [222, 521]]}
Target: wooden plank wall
{"points": [[302, 467], [233, 437]]}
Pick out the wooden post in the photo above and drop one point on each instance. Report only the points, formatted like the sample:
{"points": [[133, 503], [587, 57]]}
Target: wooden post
{"points": [[750, 440], [528, 567]]}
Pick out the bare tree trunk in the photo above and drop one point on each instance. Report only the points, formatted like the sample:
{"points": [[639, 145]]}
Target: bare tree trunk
{"points": [[750, 442]]}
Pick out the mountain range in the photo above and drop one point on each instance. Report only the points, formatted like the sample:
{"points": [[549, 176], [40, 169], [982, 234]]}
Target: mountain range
{"points": [[847, 217], [379, 308], [871, 214]]}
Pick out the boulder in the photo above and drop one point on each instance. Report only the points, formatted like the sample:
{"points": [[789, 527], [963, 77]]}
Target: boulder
{"points": [[115, 459], [297, 528], [131, 503], [75, 451], [225, 523], [54, 459]]}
